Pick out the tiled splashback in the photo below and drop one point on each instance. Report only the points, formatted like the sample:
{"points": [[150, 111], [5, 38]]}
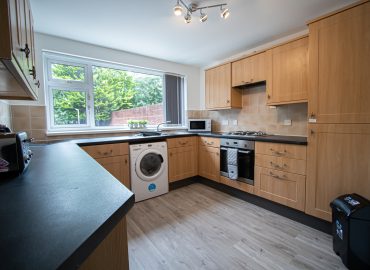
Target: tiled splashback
{"points": [[255, 115], [5, 115]]}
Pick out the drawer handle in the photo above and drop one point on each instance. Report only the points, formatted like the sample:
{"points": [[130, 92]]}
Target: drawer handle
{"points": [[183, 143], [277, 176], [105, 153], [278, 152], [210, 143], [125, 160]]}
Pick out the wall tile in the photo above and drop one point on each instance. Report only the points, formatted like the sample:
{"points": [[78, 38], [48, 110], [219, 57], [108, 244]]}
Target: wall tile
{"points": [[38, 111], [20, 111]]}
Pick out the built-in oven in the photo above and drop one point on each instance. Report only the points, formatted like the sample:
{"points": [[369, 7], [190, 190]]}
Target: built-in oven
{"points": [[244, 159]]}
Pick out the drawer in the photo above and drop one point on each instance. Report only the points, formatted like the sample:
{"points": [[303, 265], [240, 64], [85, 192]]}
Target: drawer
{"points": [[281, 150], [281, 163], [209, 141], [181, 142], [106, 150], [281, 187]]}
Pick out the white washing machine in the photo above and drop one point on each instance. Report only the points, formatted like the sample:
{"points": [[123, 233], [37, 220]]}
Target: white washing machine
{"points": [[149, 170]]}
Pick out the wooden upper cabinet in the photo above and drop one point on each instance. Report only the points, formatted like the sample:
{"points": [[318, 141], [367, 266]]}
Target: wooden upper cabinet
{"points": [[338, 161], [251, 69], [219, 93], [288, 73], [17, 51], [339, 49]]}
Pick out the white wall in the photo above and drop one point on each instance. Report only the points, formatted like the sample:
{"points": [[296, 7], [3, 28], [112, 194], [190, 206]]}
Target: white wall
{"points": [[52, 43], [240, 55]]}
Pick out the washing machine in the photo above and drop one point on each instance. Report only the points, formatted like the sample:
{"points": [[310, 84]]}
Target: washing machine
{"points": [[149, 170]]}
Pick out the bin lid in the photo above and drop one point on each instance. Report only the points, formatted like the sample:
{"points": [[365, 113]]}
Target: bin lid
{"points": [[352, 205]]}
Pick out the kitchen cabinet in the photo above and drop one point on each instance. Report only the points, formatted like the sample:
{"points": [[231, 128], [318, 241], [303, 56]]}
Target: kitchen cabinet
{"points": [[218, 91], [209, 158], [288, 73], [280, 173], [182, 158], [339, 48], [18, 78], [249, 70], [112, 252], [114, 158], [338, 162]]}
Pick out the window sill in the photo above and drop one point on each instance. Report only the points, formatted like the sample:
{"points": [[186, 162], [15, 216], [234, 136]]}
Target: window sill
{"points": [[51, 133]]}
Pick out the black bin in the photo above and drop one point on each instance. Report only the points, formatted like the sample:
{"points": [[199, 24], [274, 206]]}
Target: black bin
{"points": [[351, 230]]}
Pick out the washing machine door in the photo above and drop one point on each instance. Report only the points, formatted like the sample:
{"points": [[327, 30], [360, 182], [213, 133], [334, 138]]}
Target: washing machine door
{"points": [[149, 165]]}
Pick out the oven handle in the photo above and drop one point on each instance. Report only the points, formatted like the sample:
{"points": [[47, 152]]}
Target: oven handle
{"points": [[223, 148], [244, 152]]}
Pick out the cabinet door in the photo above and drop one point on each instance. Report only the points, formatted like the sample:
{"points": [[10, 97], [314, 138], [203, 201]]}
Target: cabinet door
{"points": [[289, 67], [182, 163], [118, 167], [219, 93], [18, 31], [241, 72], [209, 162], [258, 67], [281, 187], [339, 67], [338, 162]]}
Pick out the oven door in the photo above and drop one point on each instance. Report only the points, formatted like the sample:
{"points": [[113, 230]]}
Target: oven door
{"points": [[246, 166], [223, 162]]}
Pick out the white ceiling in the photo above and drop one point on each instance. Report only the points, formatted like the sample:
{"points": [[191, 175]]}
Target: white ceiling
{"points": [[150, 28]]}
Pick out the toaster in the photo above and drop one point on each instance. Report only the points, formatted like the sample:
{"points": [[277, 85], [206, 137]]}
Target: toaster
{"points": [[15, 154]]}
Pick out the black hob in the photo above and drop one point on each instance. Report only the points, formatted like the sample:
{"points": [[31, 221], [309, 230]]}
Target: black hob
{"points": [[246, 133]]}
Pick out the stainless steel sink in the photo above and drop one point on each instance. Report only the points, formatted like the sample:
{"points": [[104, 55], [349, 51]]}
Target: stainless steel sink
{"points": [[150, 133]]}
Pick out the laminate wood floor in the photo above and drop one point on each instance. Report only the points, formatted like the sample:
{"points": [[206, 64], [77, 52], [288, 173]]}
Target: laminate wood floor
{"points": [[198, 227]]}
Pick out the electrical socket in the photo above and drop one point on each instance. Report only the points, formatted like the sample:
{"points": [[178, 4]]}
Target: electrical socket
{"points": [[287, 122]]}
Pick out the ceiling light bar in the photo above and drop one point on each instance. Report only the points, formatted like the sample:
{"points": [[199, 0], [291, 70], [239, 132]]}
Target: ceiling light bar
{"points": [[178, 9]]}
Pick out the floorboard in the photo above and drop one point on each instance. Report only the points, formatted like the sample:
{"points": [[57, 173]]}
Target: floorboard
{"points": [[198, 227]]}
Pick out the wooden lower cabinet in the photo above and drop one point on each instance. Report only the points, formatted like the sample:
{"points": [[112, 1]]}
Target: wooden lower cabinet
{"points": [[338, 162], [182, 163], [209, 162], [281, 187], [119, 167], [114, 158], [112, 252]]}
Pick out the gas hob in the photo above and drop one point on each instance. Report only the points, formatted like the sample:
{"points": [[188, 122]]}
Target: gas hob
{"points": [[245, 133]]}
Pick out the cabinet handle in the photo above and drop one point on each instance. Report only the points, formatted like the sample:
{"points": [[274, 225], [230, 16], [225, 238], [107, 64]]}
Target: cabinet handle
{"points": [[268, 96], [274, 165], [312, 132], [37, 84], [217, 154], [251, 80], [183, 143], [312, 115], [170, 154], [277, 176], [125, 160], [227, 101], [278, 152], [26, 50], [105, 153], [210, 143], [33, 72]]}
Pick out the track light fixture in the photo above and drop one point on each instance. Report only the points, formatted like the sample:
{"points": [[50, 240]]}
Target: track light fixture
{"points": [[191, 8]]}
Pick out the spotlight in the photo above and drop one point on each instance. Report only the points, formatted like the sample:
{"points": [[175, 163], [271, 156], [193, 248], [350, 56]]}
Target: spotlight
{"points": [[224, 13], [203, 16], [187, 18], [177, 9]]}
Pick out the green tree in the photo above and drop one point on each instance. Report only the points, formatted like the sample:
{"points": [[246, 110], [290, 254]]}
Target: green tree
{"points": [[149, 90]]}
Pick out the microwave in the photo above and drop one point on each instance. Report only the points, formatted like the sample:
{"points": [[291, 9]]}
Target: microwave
{"points": [[199, 125]]}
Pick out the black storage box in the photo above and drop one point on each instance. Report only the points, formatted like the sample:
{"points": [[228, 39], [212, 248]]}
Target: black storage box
{"points": [[351, 230]]}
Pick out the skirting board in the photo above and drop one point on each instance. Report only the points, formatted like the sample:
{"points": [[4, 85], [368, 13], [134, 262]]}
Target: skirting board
{"points": [[293, 214]]}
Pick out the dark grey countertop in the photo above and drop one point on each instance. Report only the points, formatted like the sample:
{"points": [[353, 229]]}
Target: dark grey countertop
{"points": [[140, 139], [56, 213]]}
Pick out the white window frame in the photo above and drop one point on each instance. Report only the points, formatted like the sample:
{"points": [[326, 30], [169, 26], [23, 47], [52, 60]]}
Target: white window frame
{"points": [[71, 85]]}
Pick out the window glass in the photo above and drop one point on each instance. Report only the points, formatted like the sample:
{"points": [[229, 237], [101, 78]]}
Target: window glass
{"points": [[120, 96], [69, 107], [67, 72]]}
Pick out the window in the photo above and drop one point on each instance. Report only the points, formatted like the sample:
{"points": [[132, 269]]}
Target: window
{"points": [[88, 94]]}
